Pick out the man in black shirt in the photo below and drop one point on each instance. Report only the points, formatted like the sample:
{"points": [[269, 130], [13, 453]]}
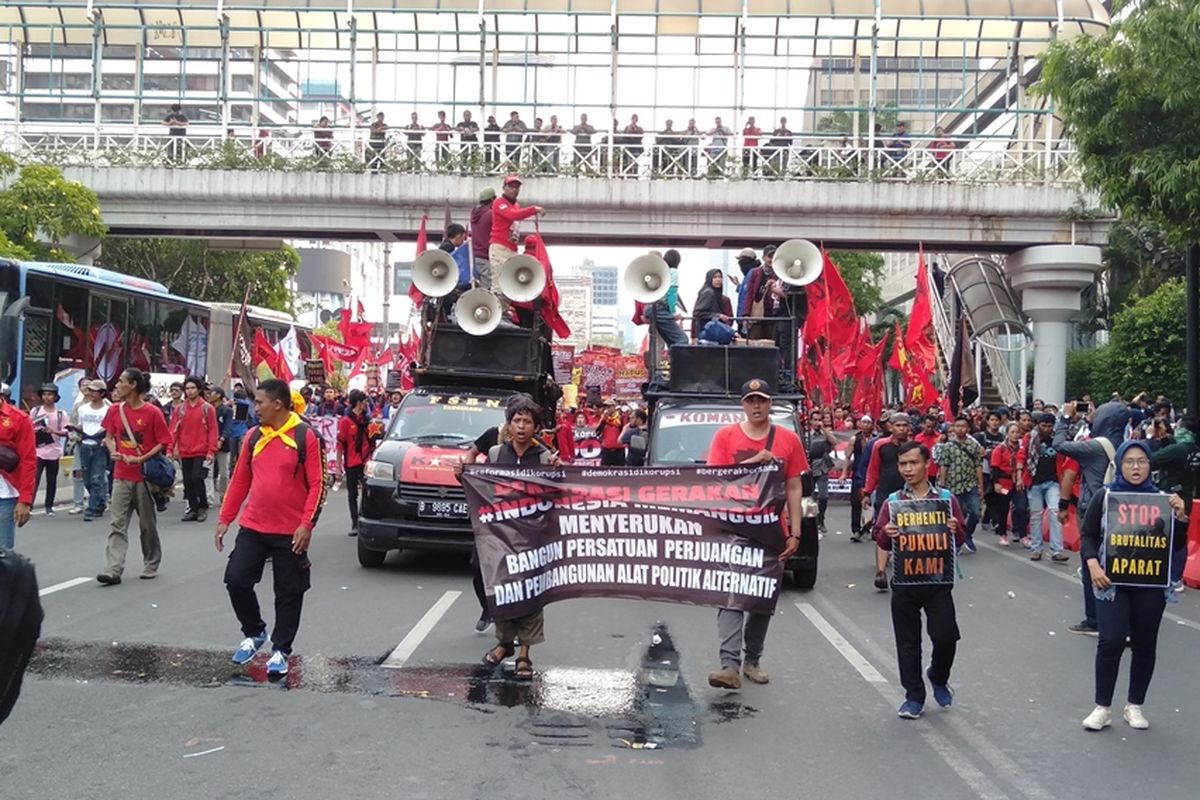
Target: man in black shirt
{"points": [[989, 437], [491, 141], [176, 122]]}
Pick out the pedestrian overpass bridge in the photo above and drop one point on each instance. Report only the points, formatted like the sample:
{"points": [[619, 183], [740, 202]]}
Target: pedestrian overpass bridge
{"points": [[1000, 200]]}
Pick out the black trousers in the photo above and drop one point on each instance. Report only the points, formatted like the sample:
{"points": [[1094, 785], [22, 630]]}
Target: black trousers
{"points": [[856, 490], [612, 457], [292, 573], [354, 487], [194, 490], [938, 605], [1135, 612], [50, 468]]}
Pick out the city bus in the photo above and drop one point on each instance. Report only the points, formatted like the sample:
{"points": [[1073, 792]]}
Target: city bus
{"points": [[60, 322]]}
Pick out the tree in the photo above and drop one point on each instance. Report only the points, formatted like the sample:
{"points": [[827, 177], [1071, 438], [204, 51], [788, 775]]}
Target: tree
{"points": [[190, 268], [1130, 100], [1144, 354], [862, 273], [40, 209], [843, 122]]}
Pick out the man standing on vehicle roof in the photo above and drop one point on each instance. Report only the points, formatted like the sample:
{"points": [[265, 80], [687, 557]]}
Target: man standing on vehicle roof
{"points": [[506, 211], [281, 473], [756, 440]]}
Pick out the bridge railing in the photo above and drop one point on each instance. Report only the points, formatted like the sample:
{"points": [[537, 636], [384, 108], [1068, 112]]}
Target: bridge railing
{"points": [[665, 155]]}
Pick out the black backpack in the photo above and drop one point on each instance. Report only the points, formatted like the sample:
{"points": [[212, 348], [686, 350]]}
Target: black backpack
{"points": [[301, 432], [20, 625]]}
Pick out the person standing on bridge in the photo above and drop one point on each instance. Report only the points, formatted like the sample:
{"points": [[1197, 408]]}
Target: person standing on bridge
{"points": [[505, 212], [280, 478], [176, 123], [934, 598], [756, 440]]}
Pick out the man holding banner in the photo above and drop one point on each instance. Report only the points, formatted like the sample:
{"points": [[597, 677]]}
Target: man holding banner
{"points": [[1127, 548], [756, 440], [922, 528]]}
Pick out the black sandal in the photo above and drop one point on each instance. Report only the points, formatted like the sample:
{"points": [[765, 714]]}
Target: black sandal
{"points": [[526, 673], [490, 659]]}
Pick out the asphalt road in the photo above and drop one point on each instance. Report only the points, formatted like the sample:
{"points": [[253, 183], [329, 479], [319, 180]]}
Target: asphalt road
{"points": [[132, 694]]}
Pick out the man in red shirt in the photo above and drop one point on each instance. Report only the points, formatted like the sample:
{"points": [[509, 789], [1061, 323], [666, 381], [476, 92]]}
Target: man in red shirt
{"points": [[506, 211], [285, 491], [136, 432], [612, 452], [354, 448], [18, 473], [194, 431], [750, 136], [929, 436], [756, 440]]}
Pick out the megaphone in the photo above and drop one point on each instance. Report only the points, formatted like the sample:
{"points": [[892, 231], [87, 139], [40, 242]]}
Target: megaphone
{"points": [[522, 279], [477, 312], [435, 273], [798, 262], [647, 278]]}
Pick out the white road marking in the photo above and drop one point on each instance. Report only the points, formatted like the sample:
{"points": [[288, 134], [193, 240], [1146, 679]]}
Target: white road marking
{"points": [[204, 752], [1068, 574], [58, 587], [864, 667], [963, 731], [409, 644]]}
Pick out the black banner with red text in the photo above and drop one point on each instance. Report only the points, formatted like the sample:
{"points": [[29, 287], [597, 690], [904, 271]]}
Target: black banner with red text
{"points": [[706, 536]]}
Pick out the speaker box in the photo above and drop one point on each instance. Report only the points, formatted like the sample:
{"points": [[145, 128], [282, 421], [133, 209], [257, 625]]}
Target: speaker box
{"points": [[503, 352], [703, 369]]}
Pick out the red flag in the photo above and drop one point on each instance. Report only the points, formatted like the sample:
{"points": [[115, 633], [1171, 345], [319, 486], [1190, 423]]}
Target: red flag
{"points": [[845, 359], [360, 313], [406, 358], [283, 370], [333, 350], [319, 350], [265, 359], [534, 246], [843, 319], [816, 324], [354, 334], [898, 357], [919, 339], [825, 373], [414, 293]]}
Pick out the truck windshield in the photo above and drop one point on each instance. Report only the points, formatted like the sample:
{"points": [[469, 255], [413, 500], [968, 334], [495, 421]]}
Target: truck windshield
{"points": [[445, 418], [682, 435]]}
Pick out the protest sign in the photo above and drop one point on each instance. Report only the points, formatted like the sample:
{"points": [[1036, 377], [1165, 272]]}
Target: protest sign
{"points": [[925, 550], [1137, 539], [698, 535]]}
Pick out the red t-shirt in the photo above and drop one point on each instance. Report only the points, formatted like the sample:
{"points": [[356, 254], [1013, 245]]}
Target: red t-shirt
{"points": [[149, 429], [731, 445], [610, 435], [929, 440]]}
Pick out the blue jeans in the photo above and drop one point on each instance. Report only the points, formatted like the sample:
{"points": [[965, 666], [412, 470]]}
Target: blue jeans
{"points": [[969, 503], [1020, 514], [94, 463], [8, 523], [665, 325], [1044, 496]]}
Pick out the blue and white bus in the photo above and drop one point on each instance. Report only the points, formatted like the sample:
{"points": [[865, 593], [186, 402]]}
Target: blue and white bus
{"points": [[61, 322]]}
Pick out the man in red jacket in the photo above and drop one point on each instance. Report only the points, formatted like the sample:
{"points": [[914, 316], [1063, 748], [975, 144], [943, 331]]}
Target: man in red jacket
{"points": [[505, 212], [281, 472], [194, 428], [18, 470], [354, 448]]}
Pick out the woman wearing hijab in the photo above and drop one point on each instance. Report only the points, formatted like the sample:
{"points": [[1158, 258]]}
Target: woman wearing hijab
{"points": [[1124, 613], [711, 303]]}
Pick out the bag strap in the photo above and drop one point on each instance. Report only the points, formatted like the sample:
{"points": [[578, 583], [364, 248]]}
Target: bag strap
{"points": [[770, 437], [128, 430], [1110, 473]]}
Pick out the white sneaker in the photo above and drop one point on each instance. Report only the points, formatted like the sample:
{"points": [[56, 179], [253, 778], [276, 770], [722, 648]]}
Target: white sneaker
{"points": [[1136, 719], [1100, 718]]}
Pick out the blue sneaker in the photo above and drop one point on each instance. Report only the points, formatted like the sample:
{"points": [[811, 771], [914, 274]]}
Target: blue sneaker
{"points": [[277, 665], [942, 692], [969, 546], [910, 709], [248, 648]]}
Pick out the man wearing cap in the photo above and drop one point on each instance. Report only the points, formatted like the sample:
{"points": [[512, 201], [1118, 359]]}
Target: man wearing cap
{"points": [[50, 430], [18, 469], [506, 211], [91, 453], [756, 440], [481, 234]]}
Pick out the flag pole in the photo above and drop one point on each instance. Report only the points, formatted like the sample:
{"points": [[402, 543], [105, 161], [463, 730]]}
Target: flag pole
{"points": [[237, 334]]}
